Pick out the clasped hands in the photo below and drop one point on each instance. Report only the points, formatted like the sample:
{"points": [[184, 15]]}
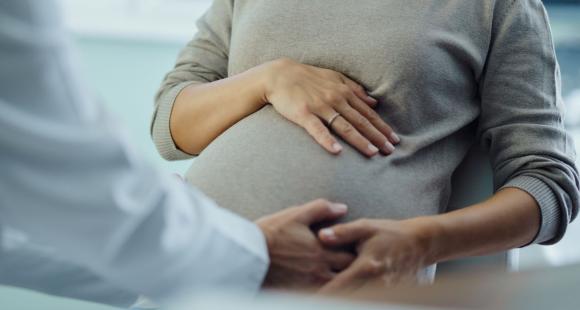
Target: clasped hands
{"points": [[344, 256]]}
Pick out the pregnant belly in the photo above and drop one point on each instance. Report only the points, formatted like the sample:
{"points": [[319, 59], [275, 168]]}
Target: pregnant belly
{"points": [[265, 163]]}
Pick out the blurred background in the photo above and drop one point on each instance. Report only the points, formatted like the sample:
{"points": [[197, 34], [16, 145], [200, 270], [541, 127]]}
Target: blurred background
{"points": [[126, 47]]}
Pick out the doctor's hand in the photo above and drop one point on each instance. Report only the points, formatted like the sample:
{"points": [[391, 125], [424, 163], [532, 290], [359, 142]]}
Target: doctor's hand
{"points": [[389, 253], [297, 258]]}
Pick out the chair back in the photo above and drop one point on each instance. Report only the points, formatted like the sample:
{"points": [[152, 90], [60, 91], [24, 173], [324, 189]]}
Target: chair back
{"points": [[472, 182]]}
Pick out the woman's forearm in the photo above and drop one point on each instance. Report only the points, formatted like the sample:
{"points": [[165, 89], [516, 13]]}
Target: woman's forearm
{"points": [[202, 112], [510, 218], [391, 251]]}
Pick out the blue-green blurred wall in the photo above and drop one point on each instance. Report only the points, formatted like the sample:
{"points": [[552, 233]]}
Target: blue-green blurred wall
{"points": [[126, 74]]}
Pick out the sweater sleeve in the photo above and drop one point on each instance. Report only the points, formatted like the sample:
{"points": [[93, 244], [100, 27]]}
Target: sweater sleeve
{"points": [[521, 123], [204, 59]]}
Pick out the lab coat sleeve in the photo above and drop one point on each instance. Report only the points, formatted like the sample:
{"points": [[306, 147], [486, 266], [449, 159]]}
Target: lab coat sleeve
{"points": [[32, 267], [72, 182]]}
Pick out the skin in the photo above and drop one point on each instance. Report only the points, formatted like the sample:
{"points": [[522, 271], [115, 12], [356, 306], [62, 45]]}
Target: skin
{"points": [[306, 95], [298, 260], [391, 252], [387, 252]]}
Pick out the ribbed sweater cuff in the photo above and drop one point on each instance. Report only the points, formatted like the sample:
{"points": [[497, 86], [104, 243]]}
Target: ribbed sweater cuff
{"points": [[546, 199], [160, 130]]}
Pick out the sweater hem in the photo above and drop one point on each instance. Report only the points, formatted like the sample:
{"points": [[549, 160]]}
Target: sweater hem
{"points": [[547, 202], [160, 129]]}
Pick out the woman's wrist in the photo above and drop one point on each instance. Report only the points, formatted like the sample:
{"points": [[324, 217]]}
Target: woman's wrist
{"points": [[257, 80], [268, 73], [429, 235], [508, 219]]}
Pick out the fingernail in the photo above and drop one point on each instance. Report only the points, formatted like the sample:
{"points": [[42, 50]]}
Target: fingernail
{"points": [[395, 138], [338, 207], [328, 234], [389, 147], [337, 147], [372, 99], [373, 148]]}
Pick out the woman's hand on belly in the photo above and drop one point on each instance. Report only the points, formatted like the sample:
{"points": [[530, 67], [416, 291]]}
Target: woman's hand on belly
{"points": [[316, 98], [297, 258]]}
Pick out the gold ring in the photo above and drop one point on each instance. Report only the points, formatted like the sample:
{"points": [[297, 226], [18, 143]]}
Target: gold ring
{"points": [[332, 119]]}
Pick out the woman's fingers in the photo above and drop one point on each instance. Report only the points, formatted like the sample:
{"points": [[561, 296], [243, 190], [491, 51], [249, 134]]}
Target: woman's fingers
{"points": [[365, 127], [351, 135], [359, 91], [373, 117], [347, 233], [361, 102], [349, 279], [314, 126], [342, 116], [346, 130]]}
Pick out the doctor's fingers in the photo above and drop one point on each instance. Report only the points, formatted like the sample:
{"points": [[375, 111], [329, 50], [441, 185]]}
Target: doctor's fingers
{"points": [[319, 210], [338, 261]]}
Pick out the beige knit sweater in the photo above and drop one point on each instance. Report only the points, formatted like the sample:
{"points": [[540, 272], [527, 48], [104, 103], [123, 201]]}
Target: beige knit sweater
{"points": [[448, 73]]}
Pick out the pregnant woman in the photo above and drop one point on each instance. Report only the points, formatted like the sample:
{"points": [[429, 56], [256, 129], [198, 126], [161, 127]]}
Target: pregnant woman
{"points": [[375, 103]]}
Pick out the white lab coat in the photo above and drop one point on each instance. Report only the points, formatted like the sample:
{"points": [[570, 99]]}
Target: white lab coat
{"points": [[73, 185], [23, 264]]}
